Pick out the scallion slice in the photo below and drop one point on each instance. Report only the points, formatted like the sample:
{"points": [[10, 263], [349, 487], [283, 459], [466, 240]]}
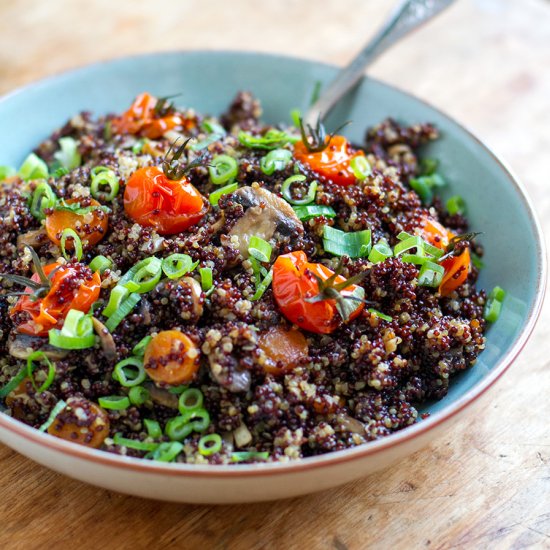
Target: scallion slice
{"points": [[190, 400], [13, 383], [493, 306], [68, 155], [381, 315], [380, 251], [360, 167], [143, 276], [214, 197], [260, 249], [153, 428], [207, 278], [6, 172], [33, 168], [431, 274], [118, 439], [223, 169], [59, 406], [167, 452], [100, 263], [212, 127], [309, 211], [177, 265], [138, 395], [242, 456], [355, 244], [272, 139], [114, 402], [275, 160], [287, 192], [103, 177], [456, 205], [43, 197], [178, 428], [139, 348], [210, 444], [129, 372], [125, 307], [69, 233], [262, 286], [117, 296], [42, 357], [77, 332]]}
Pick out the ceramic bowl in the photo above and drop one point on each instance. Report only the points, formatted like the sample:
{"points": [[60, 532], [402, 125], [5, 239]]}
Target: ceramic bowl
{"points": [[497, 205]]}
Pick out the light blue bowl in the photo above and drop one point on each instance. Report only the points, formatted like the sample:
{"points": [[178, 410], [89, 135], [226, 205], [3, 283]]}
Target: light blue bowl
{"points": [[497, 204]]}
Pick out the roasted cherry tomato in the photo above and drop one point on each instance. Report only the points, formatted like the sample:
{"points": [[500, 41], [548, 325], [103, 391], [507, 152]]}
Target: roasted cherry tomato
{"points": [[294, 283], [90, 226], [146, 119], [82, 422], [456, 267], [284, 349], [153, 200], [72, 286], [171, 357], [333, 162]]}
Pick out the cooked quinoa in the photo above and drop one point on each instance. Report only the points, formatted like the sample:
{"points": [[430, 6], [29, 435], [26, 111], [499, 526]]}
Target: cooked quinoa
{"points": [[361, 379]]}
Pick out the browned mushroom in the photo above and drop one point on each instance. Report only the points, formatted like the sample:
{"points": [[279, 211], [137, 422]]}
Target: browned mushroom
{"points": [[267, 216], [106, 338], [349, 424], [161, 396], [22, 345], [33, 238], [197, 295]]}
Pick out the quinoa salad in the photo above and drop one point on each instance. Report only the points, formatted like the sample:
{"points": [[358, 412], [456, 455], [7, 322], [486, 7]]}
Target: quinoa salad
{"points": [[184, 288]]}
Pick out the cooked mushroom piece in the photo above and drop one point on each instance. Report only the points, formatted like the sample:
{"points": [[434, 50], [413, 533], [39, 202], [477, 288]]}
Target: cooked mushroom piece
{"points": [[22, 345], [267, 216], [35, 237], [197, 295], [106, 338], [161, 396]]}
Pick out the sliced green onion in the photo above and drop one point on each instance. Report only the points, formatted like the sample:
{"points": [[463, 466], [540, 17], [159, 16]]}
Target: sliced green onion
{"points": [[118, 439], [190, 400], [101, 264], [477, 261], [263, 286], [167, 452], [212, 138], [249, 455], [59, 172], [178, 428], [114, 402], [428, 166], [6, 172], [381, 315], [272, 139], [68, 155], [153, 428], [13, 383], [129, 372], [138, 395], [456, 205], [287, 194], [105, 178], [77, 332], [178, 390], [275, 160], [212, 127], [117, 296], [493, 306], [360, 167], [214, 197], [260, 249], [380, 252], [223, 169], [356, 244], [422, 188], [43, 197], [33, 168], [309, 211], [60, 405], [125, 307], [143, 276], [207, 279], [69, 233], [210, 444], [137, 147], [40, 356], [177, 265], [139, 348], [431, 274], [199, 419]]}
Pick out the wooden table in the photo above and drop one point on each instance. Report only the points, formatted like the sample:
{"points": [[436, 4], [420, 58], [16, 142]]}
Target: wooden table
{"points": [[487, 63]]}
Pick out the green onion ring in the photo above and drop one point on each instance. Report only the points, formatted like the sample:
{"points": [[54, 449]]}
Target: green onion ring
{"points": [[139, 348], [167, 452], [138, 395], [129, 377], [310, 195], [380, 251], [100, 263], [114, 402], [177, 265], [125, 307], [60, 405], [153, 427], [210, 444], [223, 169], [69, 233], [214, 197], [260, 249], [104, 177], [190, 400], [33, 168], [431, 274], [207, 278], [178, 428], [360, 167], [249, 455], [43, 197], [40, 356], [275, 160], [309, 211], [118, 439]]}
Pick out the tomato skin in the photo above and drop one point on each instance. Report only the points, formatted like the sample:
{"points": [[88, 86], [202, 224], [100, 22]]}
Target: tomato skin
{"points": [[333, 162], [293, 283], [73, 286], [169, 206], [91, 228], [89, 427], [284, 349], [141, 119], [171, 357]]}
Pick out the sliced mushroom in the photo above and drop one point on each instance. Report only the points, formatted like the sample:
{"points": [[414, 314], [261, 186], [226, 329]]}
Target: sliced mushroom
{"points": [[196, 295], [22, 345], [349, 424], [266, 215], [236, 380], [33, 238], [161, 396], [106, 338]]}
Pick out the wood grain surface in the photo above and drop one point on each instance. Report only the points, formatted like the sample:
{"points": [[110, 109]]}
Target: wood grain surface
{"points": [[484, 485]]}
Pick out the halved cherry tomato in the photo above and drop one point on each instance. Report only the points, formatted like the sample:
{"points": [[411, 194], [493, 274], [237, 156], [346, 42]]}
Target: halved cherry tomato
{"points": [[171, 357], [333, 162], [153, 200], [293, 282], [141, 118], [456, 267], [90, 227], [82, 422], [284, 349], [72, 286]]}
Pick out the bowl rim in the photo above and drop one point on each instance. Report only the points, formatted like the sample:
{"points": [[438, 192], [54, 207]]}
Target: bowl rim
{"points": [[104, 458]]}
